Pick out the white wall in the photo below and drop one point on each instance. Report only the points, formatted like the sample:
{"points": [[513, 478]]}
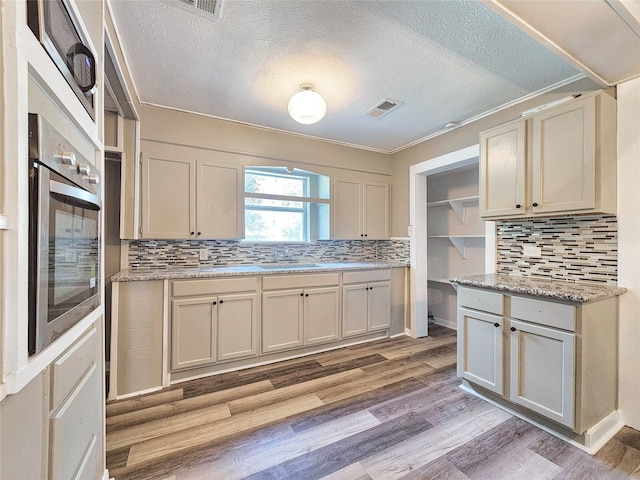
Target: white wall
{"points": [[629, 248]]}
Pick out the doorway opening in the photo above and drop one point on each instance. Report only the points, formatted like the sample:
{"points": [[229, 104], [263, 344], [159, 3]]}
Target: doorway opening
{"points": [[447, 239]]}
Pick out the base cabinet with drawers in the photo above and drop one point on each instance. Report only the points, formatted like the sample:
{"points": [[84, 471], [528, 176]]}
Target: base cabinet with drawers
{"points": [[557, 359], [53, 427], [213, 320]]}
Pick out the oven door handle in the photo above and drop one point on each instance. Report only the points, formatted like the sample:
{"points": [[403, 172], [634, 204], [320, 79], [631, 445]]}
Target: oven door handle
{"points": [[75, 193]]}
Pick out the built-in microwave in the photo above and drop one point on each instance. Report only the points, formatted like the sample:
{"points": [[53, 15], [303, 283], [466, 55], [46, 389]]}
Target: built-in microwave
{"points": [[64, 235], [57, 28]]}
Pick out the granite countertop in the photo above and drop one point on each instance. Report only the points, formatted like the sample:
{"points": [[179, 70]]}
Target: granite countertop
{"points": [[549, 288], [129, 274]]}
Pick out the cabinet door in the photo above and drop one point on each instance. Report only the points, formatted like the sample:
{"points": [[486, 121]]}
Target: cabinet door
{"points": [[543, 371], [480, 347], [282, 326], [193, 332], [563, 160], [376, 211], [220, 200], [321, 315], [354, 309], [379, 305], [76, 429], [347, 210], [168, 197], [503, 171], [237, 326]]}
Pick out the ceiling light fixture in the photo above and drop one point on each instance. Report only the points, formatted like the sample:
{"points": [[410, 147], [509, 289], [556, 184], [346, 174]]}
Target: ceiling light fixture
{"points": [[307, 106]]}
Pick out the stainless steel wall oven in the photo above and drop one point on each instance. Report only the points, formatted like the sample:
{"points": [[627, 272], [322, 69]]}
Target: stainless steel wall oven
{"points": [[64, 235]]}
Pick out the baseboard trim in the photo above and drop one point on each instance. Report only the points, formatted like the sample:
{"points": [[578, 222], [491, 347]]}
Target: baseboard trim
{"points": [[594, 439], [445, 323], [603, 431]]}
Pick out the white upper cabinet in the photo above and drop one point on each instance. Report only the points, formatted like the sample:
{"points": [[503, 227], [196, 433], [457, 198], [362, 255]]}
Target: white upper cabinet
{"points": [[376, 211], [168, 193], [502, 170], [185, 197], [219, 200], [360, 210], [561, 161]]}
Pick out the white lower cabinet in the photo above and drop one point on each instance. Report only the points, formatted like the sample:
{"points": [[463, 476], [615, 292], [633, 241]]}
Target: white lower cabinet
{"points": [[282, 325], [75, 421], [366, 302], [321, 315], [543, 371], [213, 328], [297, 317], [480, 348], [554, 358]]}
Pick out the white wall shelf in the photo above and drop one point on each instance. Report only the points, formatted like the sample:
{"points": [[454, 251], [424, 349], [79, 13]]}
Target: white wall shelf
{"points": [[457, 205], [458, 241]]}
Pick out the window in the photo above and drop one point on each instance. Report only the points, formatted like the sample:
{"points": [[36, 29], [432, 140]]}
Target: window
{"points": [[284, 205]]}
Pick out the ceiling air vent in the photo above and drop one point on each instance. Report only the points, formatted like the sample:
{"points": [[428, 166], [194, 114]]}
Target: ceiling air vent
{"points": [[205, 8], [383, 108]]}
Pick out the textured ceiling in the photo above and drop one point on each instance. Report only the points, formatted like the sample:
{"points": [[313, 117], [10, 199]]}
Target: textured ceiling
{"points": [[446, 60]]}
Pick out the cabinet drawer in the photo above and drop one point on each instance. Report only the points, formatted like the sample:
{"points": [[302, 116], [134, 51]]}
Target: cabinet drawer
{"points": [[484, 300], [273, 282], [67, 370], [363, 276], [552, 314], [213, 286]]}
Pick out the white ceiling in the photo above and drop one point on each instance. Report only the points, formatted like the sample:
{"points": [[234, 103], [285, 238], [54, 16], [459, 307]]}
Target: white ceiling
{"points": [[446, 60]]}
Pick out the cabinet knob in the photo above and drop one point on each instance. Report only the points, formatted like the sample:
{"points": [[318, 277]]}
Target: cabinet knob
{"points": [[302, 294], [366, 235], [518, 206], [496, 324], [221, 302], [362, 234], [215, 303], [513, 329], [306, 295], [192, 233], [199, 233], [534, 204]]}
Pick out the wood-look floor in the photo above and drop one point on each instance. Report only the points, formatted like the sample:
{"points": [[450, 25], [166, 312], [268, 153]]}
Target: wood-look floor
{"points": [[385, 410]]}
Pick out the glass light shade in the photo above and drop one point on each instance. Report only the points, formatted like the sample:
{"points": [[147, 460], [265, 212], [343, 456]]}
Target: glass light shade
{"points": [[307, 107]]}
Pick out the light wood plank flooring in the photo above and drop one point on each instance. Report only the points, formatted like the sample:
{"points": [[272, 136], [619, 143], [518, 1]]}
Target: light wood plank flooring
{"points": [[385, 410]]}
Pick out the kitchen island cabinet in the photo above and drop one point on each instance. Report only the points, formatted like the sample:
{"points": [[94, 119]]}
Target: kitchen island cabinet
{"points": [[519, 162], [555, 354]]}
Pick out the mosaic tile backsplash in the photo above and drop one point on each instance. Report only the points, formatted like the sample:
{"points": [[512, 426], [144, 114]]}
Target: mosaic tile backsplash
{"points": [[185, 254], [572, 248]]}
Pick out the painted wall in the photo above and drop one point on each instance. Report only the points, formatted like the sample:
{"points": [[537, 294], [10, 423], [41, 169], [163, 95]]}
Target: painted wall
{"points": [[162, 124], [629, 247]]}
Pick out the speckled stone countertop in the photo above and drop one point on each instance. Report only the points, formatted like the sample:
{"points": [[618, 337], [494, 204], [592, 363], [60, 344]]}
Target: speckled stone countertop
{"points": [[549, 288], [129, 275]]}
